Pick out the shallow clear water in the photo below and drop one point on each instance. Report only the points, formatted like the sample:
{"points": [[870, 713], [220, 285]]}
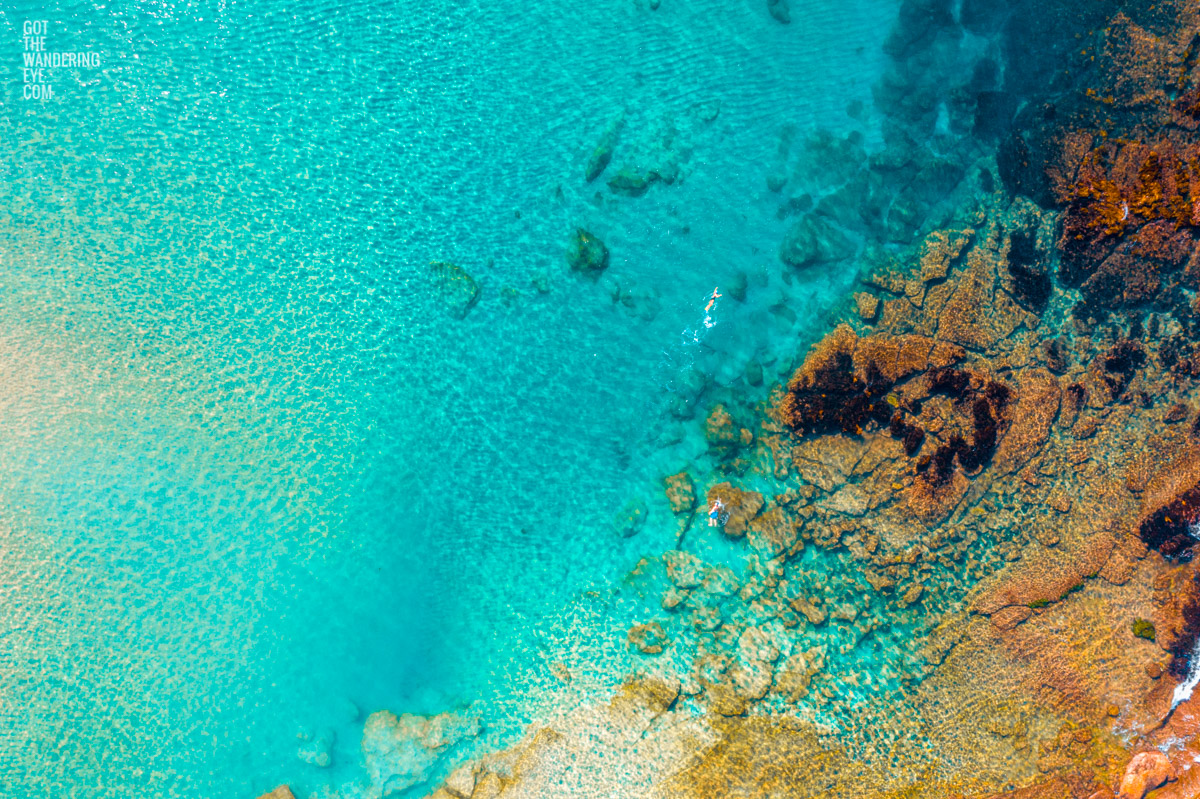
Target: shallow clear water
{"points": [[254, 478]]}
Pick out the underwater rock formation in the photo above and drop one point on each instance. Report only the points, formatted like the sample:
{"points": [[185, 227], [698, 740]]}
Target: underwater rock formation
{"points": [[282, 792], [459, 290], [602, 153], [952, 523], [401, 750], [812, 241], [649, 638], [681, 492], [586, 254], [631, 518]]}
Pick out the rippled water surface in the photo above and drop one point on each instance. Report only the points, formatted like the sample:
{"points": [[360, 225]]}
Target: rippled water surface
{"points": [[254, 478]]}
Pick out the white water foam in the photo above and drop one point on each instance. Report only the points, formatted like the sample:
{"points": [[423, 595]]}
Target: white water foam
{"points": [[1183, 691]]}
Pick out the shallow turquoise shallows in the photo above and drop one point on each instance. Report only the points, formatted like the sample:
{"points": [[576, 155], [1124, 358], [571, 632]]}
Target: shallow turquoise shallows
{"points": [[256, 478]]}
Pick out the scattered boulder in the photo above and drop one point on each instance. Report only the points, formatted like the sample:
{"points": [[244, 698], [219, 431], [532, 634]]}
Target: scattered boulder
{"points": [[587, 254], [649, 639], [459, 290], [812, 241], [739, 506], [684, 569], [939, 250], [401, 751], [867, 305], [751, 679], [756, 644], [316, 750], [795, 673], [754, 373], [461, 781], [602, 153], [1145, 772], [631, 181], [630, 519], [773, 532], [721, 430], [282, 792], [724, 700], [681, 492], [807, 609], [720, 581]]}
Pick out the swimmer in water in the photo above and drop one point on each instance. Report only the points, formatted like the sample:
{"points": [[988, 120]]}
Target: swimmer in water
{"points": [[714, 513], [708, 322], [712, 300]]}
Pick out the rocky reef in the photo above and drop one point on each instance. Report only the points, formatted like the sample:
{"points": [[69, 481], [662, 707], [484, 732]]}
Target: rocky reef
{"points": [[954, 518], [967, 516]]}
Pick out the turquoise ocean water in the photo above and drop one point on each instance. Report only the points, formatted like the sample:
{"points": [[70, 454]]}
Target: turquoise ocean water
{"points": [[255, 480]]}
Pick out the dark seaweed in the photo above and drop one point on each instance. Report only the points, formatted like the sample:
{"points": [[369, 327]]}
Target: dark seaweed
{"points": [[839, 401], [1032, 285], [1121, 362]]}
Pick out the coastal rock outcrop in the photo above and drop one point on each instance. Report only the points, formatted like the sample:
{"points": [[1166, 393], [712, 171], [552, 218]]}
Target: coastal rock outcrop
{"points": [[401, 751], [458, 289], [586, 253]]}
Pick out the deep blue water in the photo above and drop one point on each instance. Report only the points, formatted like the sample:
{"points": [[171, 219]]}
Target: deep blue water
{"points": [[254, 478]]}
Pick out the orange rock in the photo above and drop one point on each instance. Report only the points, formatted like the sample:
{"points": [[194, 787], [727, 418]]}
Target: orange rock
{"points": [[724, 700], [1130, 220], [976, 315], [741, 507], [781, 455], [720, 429], [282, 792], [868, 306], [1145, 772], [1009, 617], [939, 249], [826, 461], [1177, 595], [896, 357], [649, 639], [1171, 501], [929, 503], [681, 492], [1037, 404], [773, 532]]}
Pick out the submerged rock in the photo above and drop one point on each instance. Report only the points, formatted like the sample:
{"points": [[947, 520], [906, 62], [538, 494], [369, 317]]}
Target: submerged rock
{"points": [[681, 492], [586, 253], [813, 241], [630, 519], [401, 751], [684, 569], [740, 507], [282, 792], [632, 182], [316, 750], [459, 290], [602, 153], [721, 430], [649, 639], [754, 373]]}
